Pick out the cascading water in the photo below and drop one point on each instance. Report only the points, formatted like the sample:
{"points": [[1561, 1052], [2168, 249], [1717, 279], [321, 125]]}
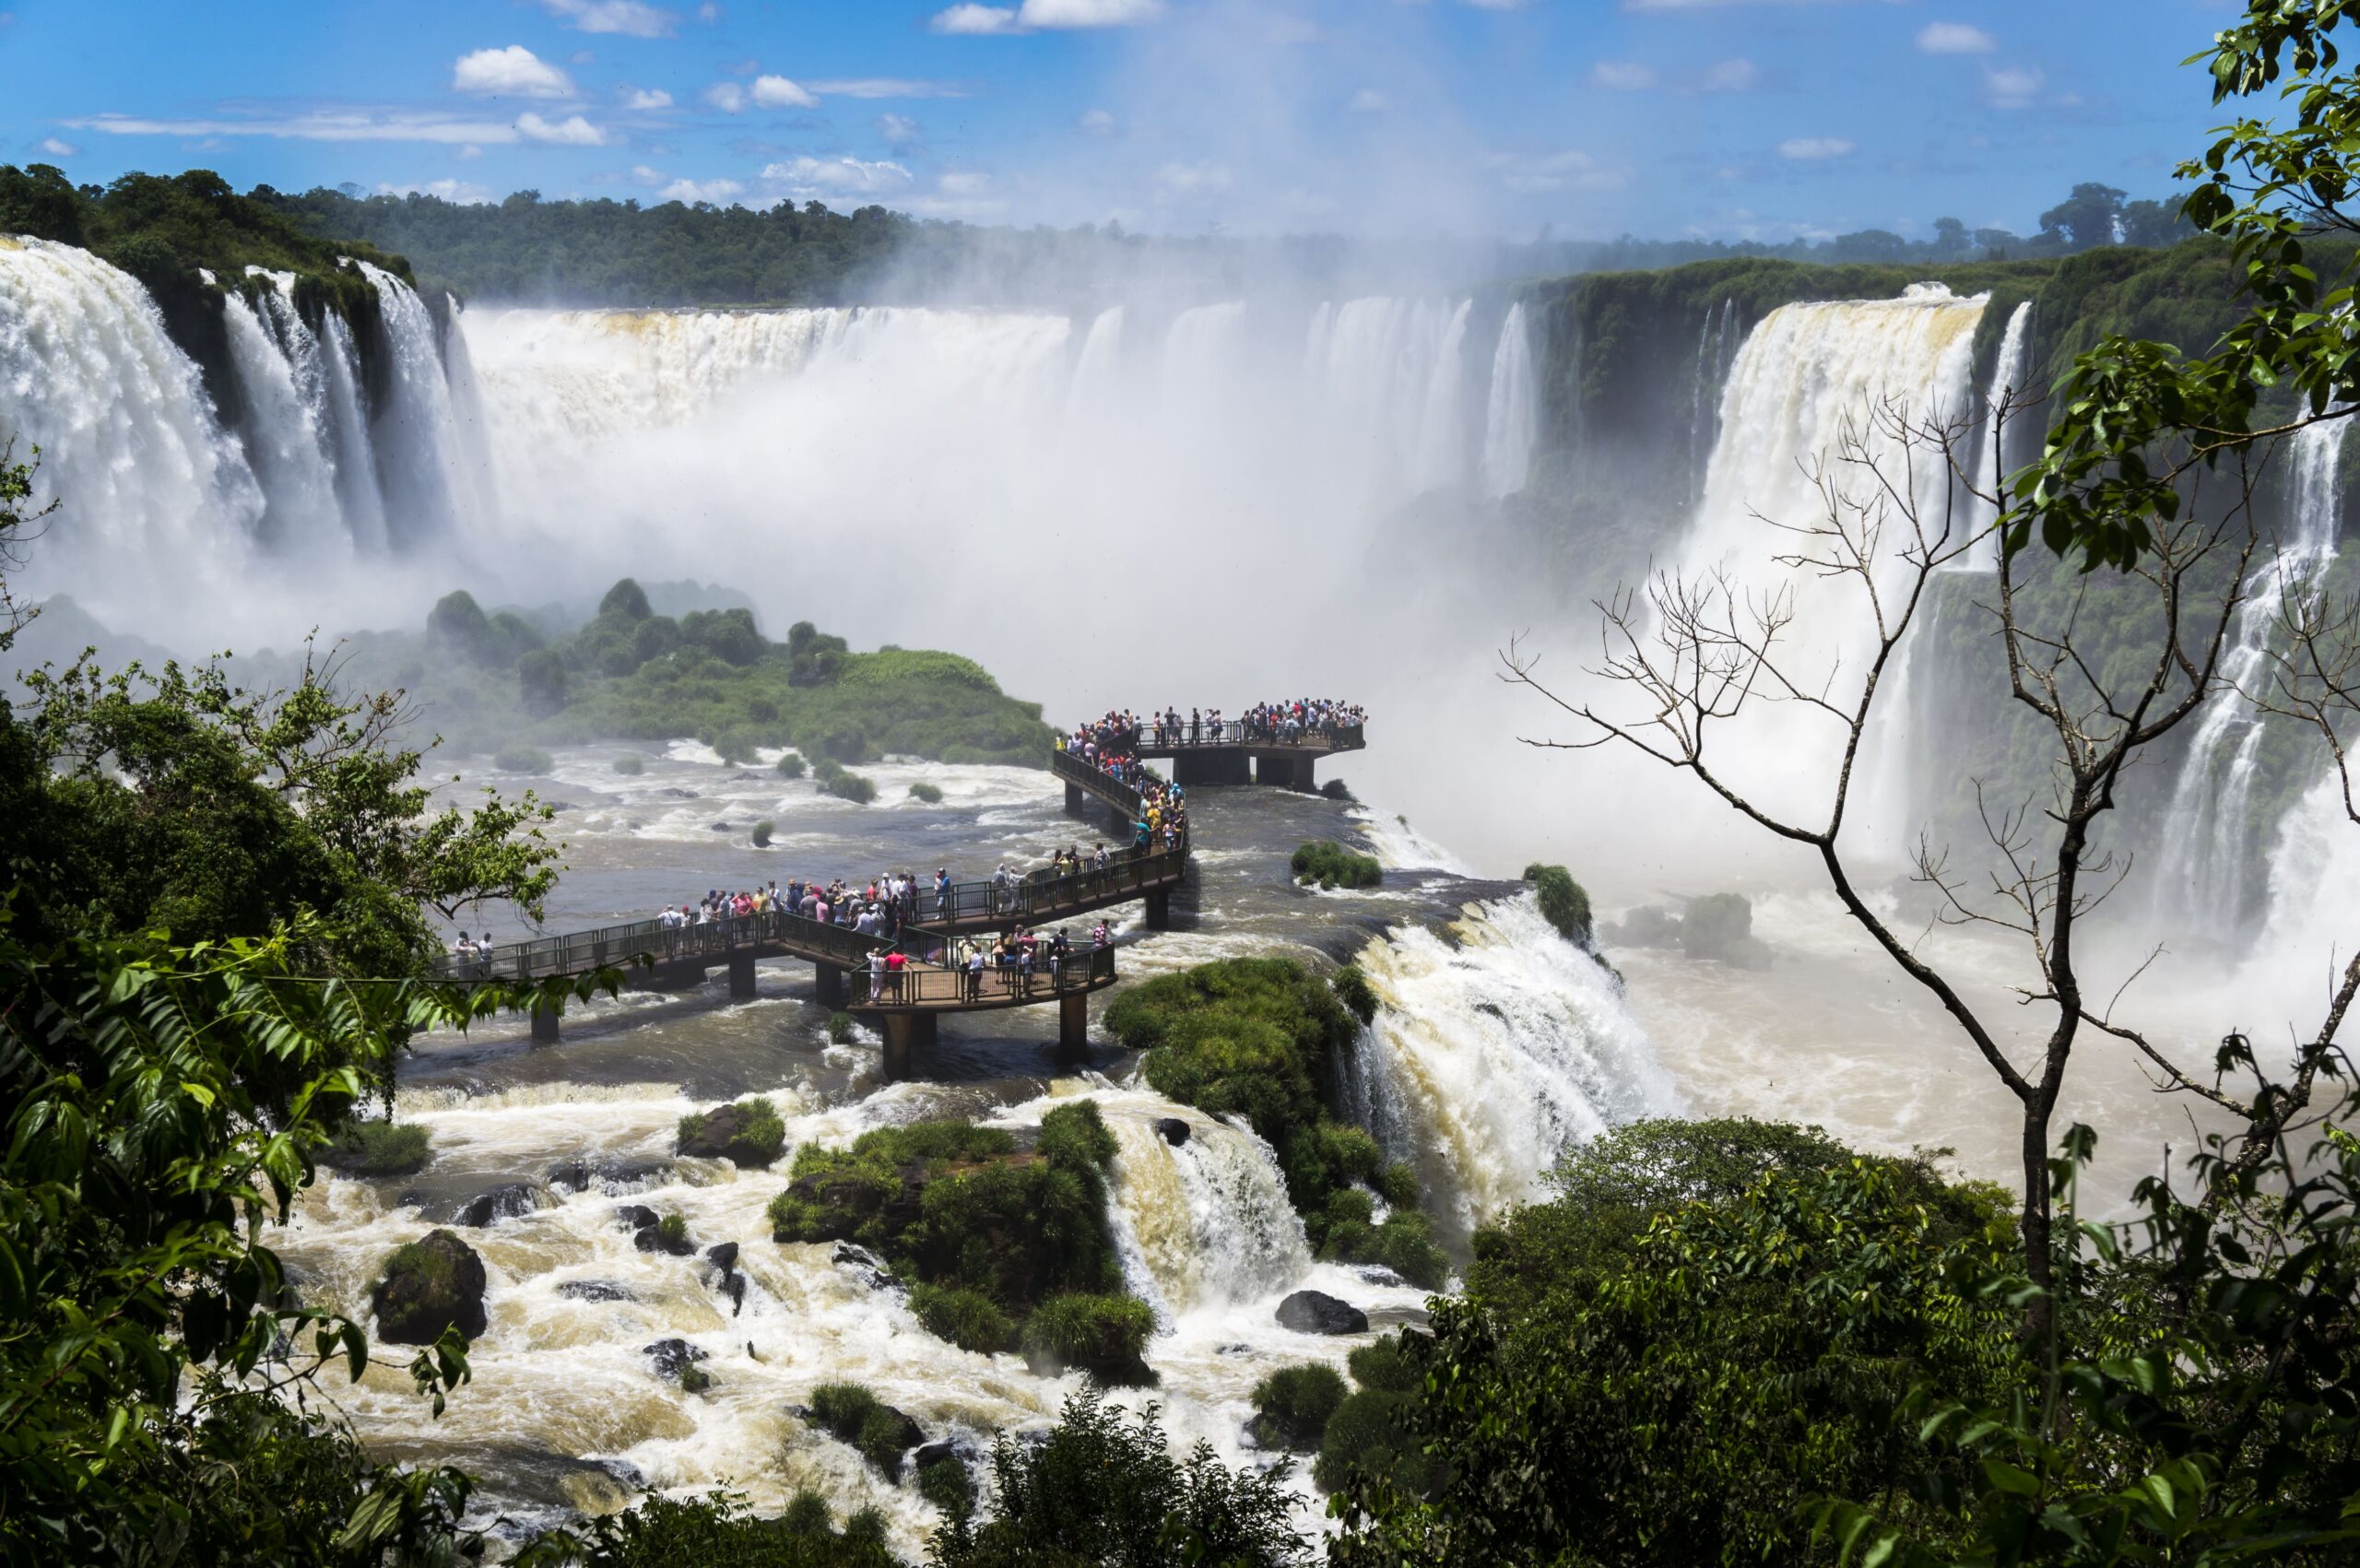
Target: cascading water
{"points": [[1717, 342], [2211, 840], [2011, 374], [1511, 416], [1442, 433], [285, 426], [1206, 1222], [414, 434], [1496, 1052]]}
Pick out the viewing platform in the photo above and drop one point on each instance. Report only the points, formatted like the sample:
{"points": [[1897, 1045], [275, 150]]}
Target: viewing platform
{"points": [[1232, 752]]}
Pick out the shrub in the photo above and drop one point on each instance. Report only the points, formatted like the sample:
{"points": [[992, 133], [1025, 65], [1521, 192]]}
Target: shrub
{"points": [[850, 786], [1330, 864], [1076, 1134], [968, 1319], [541, 682], [1291, 1406], [1367, 1433], [377, 1149], [736, 745], [715, 1531], [1103, 1334], [673, 1228], [521, 759], [930, 794], [763, 832], [1718, 925], [631, 764], [840, 1027], [946, 1483], [1564, 902], [1383, 1365], [1337, 789], [853, 1415], [791, 766], [1403, 1242], [749, 1134], [1353, 990]]}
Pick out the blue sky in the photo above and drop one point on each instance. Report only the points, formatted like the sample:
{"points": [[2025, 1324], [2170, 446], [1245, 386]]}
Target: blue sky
{"points": [[1585, 118]]}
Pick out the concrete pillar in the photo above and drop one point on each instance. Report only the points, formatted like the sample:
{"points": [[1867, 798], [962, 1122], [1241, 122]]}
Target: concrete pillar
{"points": [[544, 1024], [741, 974], [903, 1033], [1073, 1026], [1159, 910], [1073, 799], [830, 983]]}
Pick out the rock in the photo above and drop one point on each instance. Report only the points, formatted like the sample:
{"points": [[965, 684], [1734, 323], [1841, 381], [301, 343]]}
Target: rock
{"points": [[943, 1448], [670, 1356], [593, 1290], [740, 1134], [681, 794], [734, 1287], [434, 1283], [634, 1215], [1175, 1130], [560, 805], [865, 1263], [499, 1203], [650, 1238], [1316, 1312], [722, 827], [573, 1176], [722, 1255]]}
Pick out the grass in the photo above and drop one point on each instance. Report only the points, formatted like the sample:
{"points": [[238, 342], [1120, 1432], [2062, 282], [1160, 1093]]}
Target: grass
{"points": [[673, 1228], [763, 832], [378, 1149], [631, 764], [1328, 865], [1565, 903], [521, 759], [1103, 1334], [968, 1319], [852, 1414], [840, 1027], [930, 793]]}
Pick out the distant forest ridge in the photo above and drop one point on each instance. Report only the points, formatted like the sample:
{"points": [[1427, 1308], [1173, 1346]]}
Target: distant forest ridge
{"points": [[607, 252]]}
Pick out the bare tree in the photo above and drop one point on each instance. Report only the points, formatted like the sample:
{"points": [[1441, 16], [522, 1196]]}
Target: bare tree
{"points": [[1897, 505]]}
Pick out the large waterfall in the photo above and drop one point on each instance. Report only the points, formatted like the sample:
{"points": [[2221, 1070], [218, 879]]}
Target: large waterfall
{"points": [[1511, 414]]}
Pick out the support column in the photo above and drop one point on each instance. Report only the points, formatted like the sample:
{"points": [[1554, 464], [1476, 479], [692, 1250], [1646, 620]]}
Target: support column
{"points": [[903, 1033], [1159, 910], [544, 1024], [1073, 1026], [741, 974], [830, 983], [1073, 799]]}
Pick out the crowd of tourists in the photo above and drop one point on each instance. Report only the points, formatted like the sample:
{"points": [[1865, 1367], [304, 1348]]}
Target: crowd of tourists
{"points": [[1110, 744], [1287, 723]]}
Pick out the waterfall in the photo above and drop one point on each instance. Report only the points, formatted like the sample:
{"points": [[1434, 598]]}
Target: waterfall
{"points": [[1802, 377], [2210, 838], [284, 424], [1442, 425], [1715, 342], [476, 479], [1510, 414], [1498, 1047], [158, 496], [1204, 1223], [1095, 371], [2009, 373], [415, 434]]}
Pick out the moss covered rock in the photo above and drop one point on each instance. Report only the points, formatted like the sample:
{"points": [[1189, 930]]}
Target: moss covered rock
{"points": [[748, 1134], [434, 1283]]}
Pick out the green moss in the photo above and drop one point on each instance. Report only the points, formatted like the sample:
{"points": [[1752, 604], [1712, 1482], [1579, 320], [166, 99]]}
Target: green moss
{"points": [[631, 764], [1565, 903], [1103, 1335], [1291, 1406], [378, 1149], [930, 793], [521, 759], [1330, 864]]}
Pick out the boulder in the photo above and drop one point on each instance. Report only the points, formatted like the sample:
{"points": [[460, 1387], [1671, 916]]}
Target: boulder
{"points": [[593, 1290], [668, 1356], [634, 1215], [741, 1134], [434, 1283], [650, 1238], [1175, 1130], [871, 1268], [943, 1448], [734, 1287], [1316, 1312], [681, 794], [722, 1255], [721, 827], [499, 1203]]}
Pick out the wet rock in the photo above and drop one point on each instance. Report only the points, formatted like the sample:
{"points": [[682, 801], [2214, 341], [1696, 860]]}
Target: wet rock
{"points": [[748, 1134], [670, 1357], [574, 1175], [722, 1255], [593, 1290], [1237, 1348], [678, 793], [1175, 1130], [1378, 1274], [650, 1238], [499, 1203], [1316, 1312], [734, 1287], [434, 1283], [870, 1267], [718, 827], [560, 805], [634, 1215]]}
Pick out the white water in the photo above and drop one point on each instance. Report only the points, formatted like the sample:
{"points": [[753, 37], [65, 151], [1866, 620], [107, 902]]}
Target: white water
{"points": [[415, 436], [2209, 853], [1511, 417], [284, 387], [2010, 376]]}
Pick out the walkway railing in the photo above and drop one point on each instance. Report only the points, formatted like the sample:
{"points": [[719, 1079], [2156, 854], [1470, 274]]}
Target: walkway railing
{"points": [[577, 952], [1185, 735], [947, 986]]}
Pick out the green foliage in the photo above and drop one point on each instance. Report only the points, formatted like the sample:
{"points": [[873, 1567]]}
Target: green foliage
{"points": [[1330, 864], [378, 1149], [542, 683], [790, 766], [673, 1228], [755, 1136], [840, 1027], [853, 1414], [714, 1531], [1074, 1136], [968, 1319], [763, 832], [1104, 1492], [1103, 1335], [1348, 1231], [523, 759], [1293, 1404], [631, 764], [946, 1483], [1565, 903], [853, 788], [1385, 1366], [1353, 989], [930, 794]]}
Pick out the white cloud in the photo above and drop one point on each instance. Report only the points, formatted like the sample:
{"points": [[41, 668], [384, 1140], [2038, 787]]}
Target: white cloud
{"points": [[1955, 37], [1569, 171], [897, 130], [1812, 149], [718, 192], [1192, 179], [728, 97], [889, 87], [468, 152], [976, 20], [322, 125], [629, 17], [463, 192], [1729, 76], [1095, 123], [964, 184], [643, 98], [515, 71], [777, 92], [1622, 76], [2013, 86], [55, 148], [708, 13], [645, 175], [1493, 4], [572, 131], [847, 175], [1368, 100]]}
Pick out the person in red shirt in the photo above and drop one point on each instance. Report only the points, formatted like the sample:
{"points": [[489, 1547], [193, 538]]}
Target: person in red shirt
{"points": [[895, 964]]}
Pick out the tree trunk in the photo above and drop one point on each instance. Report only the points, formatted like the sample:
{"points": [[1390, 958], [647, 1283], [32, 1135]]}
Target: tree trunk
{"points": [[2040, 1316]]}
